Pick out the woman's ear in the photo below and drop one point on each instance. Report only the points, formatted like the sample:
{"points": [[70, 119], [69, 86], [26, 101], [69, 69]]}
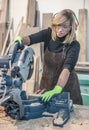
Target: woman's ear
{"points": [[76, 26]]}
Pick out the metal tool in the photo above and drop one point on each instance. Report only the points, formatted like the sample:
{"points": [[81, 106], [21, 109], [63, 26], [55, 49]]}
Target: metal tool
{"points": [[19, 63]]}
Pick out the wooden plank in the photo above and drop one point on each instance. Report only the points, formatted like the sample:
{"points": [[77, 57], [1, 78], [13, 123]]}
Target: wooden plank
{"points": [[0, 14], [82, 34], [37, 19], [16, 34], [31, 13], [4, 10], [0, 4], [3, 17], [46, 20], [5, 41], [27, 30], [82, 69], [83, 63]]}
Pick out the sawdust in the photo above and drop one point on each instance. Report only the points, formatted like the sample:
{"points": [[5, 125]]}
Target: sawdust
{"points": [[79, 120]]}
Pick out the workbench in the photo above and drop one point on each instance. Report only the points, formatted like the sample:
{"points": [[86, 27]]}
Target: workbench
{"points": [[79, 120]]}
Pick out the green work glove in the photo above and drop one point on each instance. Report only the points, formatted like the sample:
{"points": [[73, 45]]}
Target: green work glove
{"points": [[19, 39], [47, 95]]}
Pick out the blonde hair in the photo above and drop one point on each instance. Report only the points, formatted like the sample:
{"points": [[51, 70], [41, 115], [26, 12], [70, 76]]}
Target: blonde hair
{"points": [[62, 17]]}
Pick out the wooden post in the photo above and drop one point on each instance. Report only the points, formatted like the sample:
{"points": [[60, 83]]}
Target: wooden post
{"points": [[82, 34], [5, 41], [16, 34], [31, 13], [46, 20], [3, 16]]}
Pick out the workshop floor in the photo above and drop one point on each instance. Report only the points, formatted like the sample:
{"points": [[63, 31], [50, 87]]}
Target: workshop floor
{"points": [[79, 120]]}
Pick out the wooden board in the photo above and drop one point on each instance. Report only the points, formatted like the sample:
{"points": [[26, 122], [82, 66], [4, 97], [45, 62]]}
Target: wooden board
{"points": [[27, 30], [82, 34], [46, 20], [6, 38], [82, 67], [15, 34], [31, 13], [3, 17]]}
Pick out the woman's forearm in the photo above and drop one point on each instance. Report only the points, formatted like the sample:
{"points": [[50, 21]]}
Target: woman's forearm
{"points": [[63, 78], [26, 41]]}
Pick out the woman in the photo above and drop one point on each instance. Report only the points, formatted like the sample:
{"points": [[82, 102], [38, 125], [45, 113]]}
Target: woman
{"points": [[61, 54]]}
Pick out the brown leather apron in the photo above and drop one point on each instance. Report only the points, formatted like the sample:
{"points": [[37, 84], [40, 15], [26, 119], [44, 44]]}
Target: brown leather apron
{"points": [[53, 63]]}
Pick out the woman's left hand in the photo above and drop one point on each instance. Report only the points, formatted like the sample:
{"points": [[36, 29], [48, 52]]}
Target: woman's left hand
{"points": [[47, 95]]}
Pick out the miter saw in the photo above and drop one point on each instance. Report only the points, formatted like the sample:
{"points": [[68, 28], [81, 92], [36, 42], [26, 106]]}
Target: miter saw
{"points": [[16, 67]]}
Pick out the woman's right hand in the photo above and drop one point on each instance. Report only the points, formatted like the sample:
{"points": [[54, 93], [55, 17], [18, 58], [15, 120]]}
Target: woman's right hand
{"points": [[39, 91]]}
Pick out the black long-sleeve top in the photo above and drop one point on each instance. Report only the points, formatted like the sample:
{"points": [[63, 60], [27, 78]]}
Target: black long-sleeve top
{"points": [[73, 48]]}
